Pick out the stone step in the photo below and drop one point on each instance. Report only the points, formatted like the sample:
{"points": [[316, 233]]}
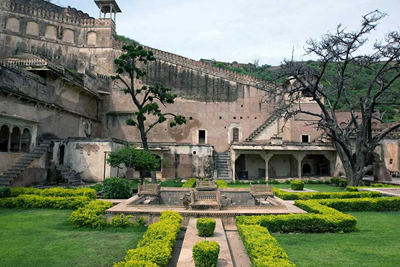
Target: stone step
{"points": [[12, 172], [17, 168], [3, 183]]}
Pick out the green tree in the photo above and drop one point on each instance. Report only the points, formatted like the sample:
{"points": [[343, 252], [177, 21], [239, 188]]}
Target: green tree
{"points": [[146, 99], [140, 160]]}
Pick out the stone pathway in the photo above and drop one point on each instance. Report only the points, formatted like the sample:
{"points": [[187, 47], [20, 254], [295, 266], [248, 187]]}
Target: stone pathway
{"points": [[238, 251], [391, 192], [191, 238]]}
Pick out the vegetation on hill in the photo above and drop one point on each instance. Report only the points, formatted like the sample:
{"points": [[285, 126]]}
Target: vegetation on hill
{"points": [[125, 39]]}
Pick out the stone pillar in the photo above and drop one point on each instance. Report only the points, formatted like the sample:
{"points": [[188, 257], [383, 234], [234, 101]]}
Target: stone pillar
{"points": [[111, 11], [9, 139], [20, 142], [266, 157], [234, 157], [299, 158], [101, 7]]}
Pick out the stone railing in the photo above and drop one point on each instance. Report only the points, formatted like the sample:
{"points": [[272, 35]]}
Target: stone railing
{"points": [[22, 72], [261, 190], [205, 199], [205, 185], [149, 189], [36, 62], [200, 66], [45, 14]]}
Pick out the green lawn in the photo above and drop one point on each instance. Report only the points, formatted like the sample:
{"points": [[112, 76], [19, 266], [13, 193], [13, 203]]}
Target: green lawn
{"points": [[317, 187], [43, 237], [376, 244]]}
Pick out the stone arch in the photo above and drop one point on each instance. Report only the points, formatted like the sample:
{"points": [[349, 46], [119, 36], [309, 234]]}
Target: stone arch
{"points": [[32, 28], [12, 24], [91, 38], [51, 32], [306, 169], [160, 167], [68, 36], [25, 140], [15, 139], [4, 136]]}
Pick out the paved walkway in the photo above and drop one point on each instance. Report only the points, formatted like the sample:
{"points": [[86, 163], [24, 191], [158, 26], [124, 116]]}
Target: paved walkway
{"points": [[391, 192], [238, 251], [191, 238]]}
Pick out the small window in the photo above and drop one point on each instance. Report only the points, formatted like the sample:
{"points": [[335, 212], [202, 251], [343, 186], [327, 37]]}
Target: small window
{"points": [[241, 106], [220, 118], [190, 118], [305, 138], [241, 118], [202, 136], [235, 135], [194, 152], [234, 118], [391, 161]]}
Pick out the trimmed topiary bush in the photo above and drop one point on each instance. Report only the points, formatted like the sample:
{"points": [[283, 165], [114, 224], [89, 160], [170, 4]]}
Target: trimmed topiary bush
{"points": [[297, 185], [4, 192], [116, 188], [205, 227], [205, 254], [92, 215], [121, 221]]}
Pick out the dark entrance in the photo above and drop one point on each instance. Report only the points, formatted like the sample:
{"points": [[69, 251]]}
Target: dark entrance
{"points": [[306, 169], [62, 153]]}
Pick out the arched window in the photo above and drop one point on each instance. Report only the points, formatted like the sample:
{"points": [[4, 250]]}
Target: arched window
{"points": [[4, 135], [306, 169], [61, 156], [15, 140], [25, 140], [159, 158], [235, 135]]}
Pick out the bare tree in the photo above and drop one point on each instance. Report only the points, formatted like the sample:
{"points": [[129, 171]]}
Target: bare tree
{"points": [[339, 79]]}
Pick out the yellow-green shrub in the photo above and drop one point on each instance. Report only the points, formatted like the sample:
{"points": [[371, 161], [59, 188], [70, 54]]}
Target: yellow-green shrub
{"points": [[363, 204], [92, 215], [322, 195], [205, 254], [156, 244], [135, 264], [221, 184], [121, 221], [54, 192], [190, 183], [262, 248], [35, 201], [297, 185], [205, 227]]}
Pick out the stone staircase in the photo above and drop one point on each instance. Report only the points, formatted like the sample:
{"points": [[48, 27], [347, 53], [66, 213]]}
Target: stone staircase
{"points": [[275, 115], [69, 175], [223, 162], [23, 162]]}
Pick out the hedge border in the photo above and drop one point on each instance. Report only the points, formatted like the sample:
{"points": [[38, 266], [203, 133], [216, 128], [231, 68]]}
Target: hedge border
{"points": [[35, 201], [54, 192], [157, 243], [323, 195]]}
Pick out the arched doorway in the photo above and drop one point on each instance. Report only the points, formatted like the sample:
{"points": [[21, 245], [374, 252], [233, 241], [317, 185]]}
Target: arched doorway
{"points": [[4, 135], [62, 154], [159, 159], [306, 169], [15, 140]]}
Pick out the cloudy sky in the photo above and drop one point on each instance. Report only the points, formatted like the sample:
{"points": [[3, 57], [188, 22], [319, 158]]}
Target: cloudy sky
{"points": [[239, 30]]}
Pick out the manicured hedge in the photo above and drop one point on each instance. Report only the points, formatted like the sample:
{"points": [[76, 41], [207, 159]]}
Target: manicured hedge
{"points": [[355, 188], [262, 248], [320, 219], [5, 192], [363, 204], [205, 254], [339, 181], [135, 263], [190, 183], [322, 195], [156, 244], [54, 192], [35, 201], [222, 184], [297, 185], [205, 227], [92, 215]]}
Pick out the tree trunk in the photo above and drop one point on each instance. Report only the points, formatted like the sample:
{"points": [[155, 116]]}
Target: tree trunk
{"points": [[146, 147]]}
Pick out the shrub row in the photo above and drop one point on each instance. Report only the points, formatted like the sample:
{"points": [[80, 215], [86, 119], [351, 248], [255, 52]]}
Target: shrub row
{"points": [[262, 248], [116, 188], [91, 215], [35, 201], [322, 195], [190, 183], [339, 181], [221, 184], [320, 219], [279, 182], [5, 192], [355, 188], [363, 204], [156, 244], [205, 254], [54, 192]]}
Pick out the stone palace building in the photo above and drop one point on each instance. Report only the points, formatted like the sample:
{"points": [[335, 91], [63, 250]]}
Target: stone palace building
{"points": [[60, 113]]}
